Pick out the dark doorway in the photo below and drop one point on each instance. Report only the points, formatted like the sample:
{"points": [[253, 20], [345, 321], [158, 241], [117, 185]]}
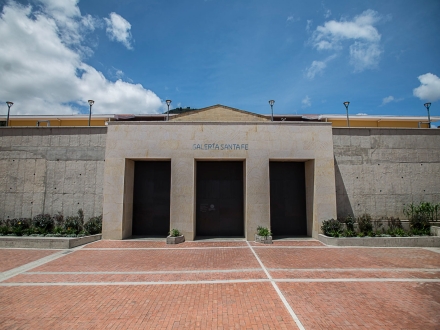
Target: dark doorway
{"points": [[151, 198], [219, 199], [288, 215]]}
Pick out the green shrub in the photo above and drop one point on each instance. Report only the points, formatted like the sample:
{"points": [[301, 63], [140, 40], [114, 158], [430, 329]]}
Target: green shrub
{"points": [[419, 222], [365, 224], [21, 226], [58, 219], [349, 233], [332, 228], [426, 210], [263, 231], [43, 222], [73, 225], [94, 225], [174, 233]]}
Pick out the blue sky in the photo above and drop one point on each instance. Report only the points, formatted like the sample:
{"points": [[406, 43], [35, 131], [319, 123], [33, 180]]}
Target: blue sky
{"points": [[309, 56]]}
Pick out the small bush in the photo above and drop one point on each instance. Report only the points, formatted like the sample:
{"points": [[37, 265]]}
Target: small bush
{"points": [[394, 223], [263, 231], [174, 233], [349, 233], [21, 226], [43, 222], [332, 228], [73, 225], [365, 224], [94, 225], [419, 222], [58, 219]]}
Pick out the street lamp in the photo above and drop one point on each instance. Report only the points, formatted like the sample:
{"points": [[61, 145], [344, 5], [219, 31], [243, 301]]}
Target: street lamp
{"points": [[168, 113], [271, 102], [427, 105], [9, 103], [90, 113], [346, 103]]}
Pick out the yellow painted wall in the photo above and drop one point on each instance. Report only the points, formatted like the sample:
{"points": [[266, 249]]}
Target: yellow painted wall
{"points": [[376, 123], [56, 123]]}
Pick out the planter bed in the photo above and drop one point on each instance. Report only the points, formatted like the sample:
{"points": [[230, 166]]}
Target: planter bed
{"points": [[413, 241], [46, 242]]}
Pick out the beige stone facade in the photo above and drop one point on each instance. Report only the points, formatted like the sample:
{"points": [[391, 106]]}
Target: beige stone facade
{"points": [[217, 136]]}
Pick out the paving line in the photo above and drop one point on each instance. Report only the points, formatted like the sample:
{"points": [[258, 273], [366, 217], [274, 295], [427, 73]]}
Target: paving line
{"points": [[336, 280], [168, 248], [280, 294], [273, 281], [148, 272], [24, 268], [134, 283], [354, 269]]}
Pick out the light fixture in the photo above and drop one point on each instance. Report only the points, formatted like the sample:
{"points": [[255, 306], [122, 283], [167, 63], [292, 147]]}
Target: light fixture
{"points": [[91, 102], [346, 103], [427, 105], [271, 102], [9, 103], [168, 113]]}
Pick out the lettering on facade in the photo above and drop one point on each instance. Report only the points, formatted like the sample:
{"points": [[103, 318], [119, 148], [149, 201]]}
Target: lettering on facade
{"points": [[220, 146]]}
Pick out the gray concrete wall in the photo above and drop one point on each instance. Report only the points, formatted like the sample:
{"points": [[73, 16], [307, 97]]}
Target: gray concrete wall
{"points": [[50, 170], [379, 171]]}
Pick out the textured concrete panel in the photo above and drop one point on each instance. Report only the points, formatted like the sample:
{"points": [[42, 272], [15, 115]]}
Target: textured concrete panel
{"points": [[50, 170], [379, 171]]}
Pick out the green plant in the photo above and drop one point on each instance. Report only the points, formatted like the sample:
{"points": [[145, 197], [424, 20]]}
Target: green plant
{"points": [[426, 210], [43, 222], [332, 228], [263, 231], [349, 233], [19, 226], [74, 224], [58, 219], [349, 222], [94, 225], [365, 224], [174, 233]]}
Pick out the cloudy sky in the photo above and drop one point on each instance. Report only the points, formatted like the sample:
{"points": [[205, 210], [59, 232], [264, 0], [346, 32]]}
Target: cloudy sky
{"points": [[309, 56]]}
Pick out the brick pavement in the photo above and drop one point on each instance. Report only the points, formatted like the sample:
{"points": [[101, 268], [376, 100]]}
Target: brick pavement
{"points": [[13, 258], [221, 285]]}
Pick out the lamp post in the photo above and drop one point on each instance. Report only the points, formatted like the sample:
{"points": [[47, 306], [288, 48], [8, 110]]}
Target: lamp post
{"points": [[9, 103], [346, 103], [271, 102], [168, 113], [427, 105], [91, 102]]}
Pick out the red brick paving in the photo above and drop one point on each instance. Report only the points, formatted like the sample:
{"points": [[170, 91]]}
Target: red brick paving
{"points": [[13, 258], [251, 305], [204, 306], [353, 274], [107, 244], [289, 243], [365, 305], [151, 260], [348, 258], [54, 278]]}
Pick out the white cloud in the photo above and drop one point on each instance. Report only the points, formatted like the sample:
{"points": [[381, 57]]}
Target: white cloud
{"points": [[387, 99], [118, 28], [317, 67], [42, 75], [429, 90], [309, 24], [328, 13], [364, 51], [306, 102]]}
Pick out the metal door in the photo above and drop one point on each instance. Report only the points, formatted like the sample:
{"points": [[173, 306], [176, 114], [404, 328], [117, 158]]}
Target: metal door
{"points": [[288, 215], [219, 199], [151, 198]]}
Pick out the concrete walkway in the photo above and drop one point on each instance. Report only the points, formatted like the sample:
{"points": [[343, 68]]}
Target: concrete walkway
{"points": [[144, 284]]}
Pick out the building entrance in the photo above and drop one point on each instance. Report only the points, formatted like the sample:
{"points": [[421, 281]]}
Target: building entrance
{"points": [[288, 215], [151, 198], [219, 201]]}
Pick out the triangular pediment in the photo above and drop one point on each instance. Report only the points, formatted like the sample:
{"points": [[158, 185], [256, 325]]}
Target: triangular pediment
{"points": [[219, 113]]}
